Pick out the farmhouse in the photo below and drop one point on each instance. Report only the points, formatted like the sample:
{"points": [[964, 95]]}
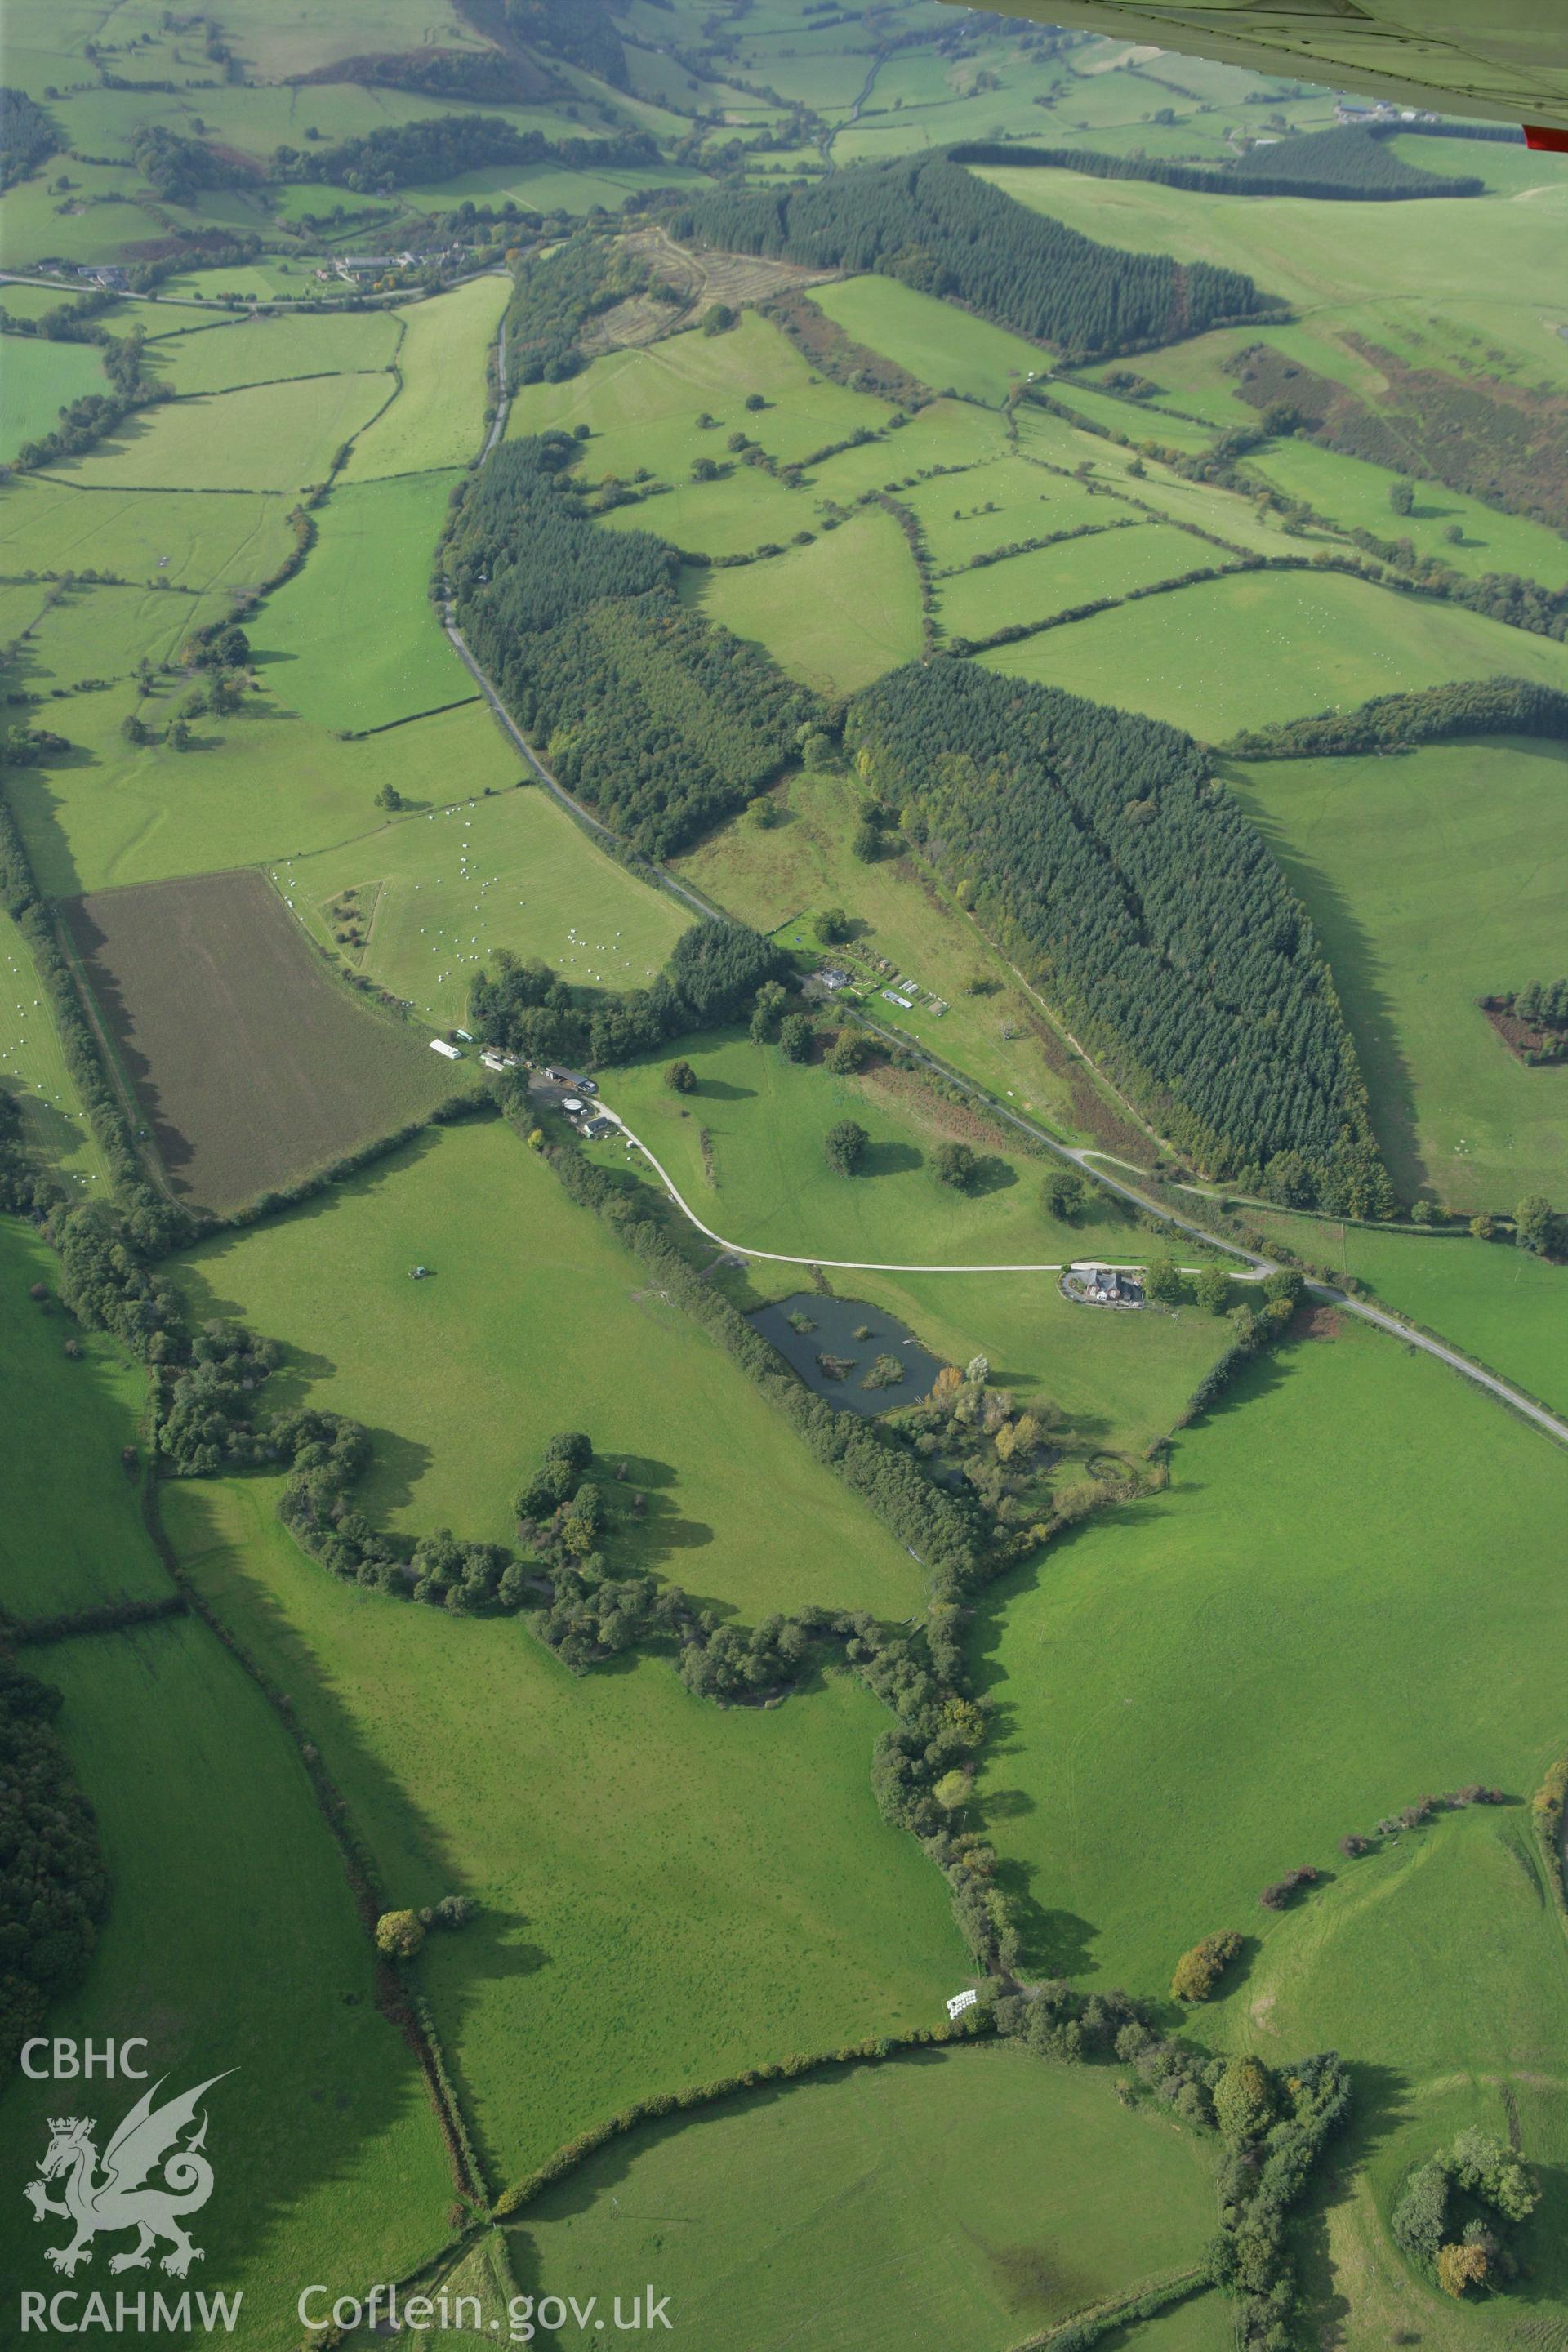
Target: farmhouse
{"points": [[833, 979]]}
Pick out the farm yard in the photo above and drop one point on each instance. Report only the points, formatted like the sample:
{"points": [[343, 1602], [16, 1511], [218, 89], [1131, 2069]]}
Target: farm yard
{"points": [[251, 1066], [800, 538]]}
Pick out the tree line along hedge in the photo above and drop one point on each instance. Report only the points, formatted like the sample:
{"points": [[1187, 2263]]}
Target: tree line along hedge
{"points": [[1114, 868], [1345, 163], [1393, 722]]}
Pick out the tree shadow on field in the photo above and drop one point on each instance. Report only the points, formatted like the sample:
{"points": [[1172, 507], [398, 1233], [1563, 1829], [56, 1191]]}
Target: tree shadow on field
{"points": [[1380, 2096], [890, 1158], [660, 1530]]}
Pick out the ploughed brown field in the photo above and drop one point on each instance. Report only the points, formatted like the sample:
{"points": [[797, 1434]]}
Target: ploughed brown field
{"points": [[252, 1065]]}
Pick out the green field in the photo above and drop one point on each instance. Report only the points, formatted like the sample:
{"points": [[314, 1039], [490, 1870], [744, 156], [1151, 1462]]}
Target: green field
{"points": [[533, 1306], [439, 416], [1502, 1306], [100, 634], [353, 640], [771, 1188], [641, 406], [1024, 588], [69, 1534], [542, 888], [1158, 1812], [1293, 644], [274, 437], [33, 1069], [999, 2195], [835, 614], [193, 540], [1354, 495], [671, 1890], [272, 350], [258, 787], [232, 1944], [933, 342], [39, 379], [1433, 879]]}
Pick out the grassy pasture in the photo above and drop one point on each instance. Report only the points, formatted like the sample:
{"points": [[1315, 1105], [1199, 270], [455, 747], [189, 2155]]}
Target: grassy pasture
{"points": [[771, 1187], [1494, 250], [108, 209], [274, 349], [257, 788], [353, 640], [33, 1069], [954, 433], [533, 1307], [1357, 1667], [998, 501], [641, 406], [71, 1533], [1293, 643], [1458, 1907], [1433, 879], [1354, 495], [438, 418], [836, 614], [250, 1066], [32, 302], [233, 1943], [672, 1890], [274, 436], [197, 540], [104, 633], [39, 379], [777, 881], [938, 345], [542, 888], [1054, 579], [1134, 418], [1500, 1305], [1000, 2196], [744, 509]]}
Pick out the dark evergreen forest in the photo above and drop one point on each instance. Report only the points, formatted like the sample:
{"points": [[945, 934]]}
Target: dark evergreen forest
{"points": [[1122, 877], [927, 221]]}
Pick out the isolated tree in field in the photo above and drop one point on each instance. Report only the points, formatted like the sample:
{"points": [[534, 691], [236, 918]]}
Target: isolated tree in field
{"points": [[134, 730], [796, 1037], [390, 799], [1064, 1195], [764, 811], [844, 1146], [1535, 1224], [1163, 1280], [1212, 1289], [1401, 497], [832, 926], [754, 401], [179, 736], [681, 1077], [399, 1934], [955, 1164], [1199, 1970]]}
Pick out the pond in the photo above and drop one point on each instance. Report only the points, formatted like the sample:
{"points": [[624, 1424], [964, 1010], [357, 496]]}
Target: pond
{"points": [[835, 1359]]}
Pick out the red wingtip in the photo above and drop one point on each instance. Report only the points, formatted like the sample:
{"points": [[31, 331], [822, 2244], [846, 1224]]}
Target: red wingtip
{"points": [[1545, 136]]}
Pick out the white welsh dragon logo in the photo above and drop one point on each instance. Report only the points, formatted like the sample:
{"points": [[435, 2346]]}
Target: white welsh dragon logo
{"points": [[120, 2198]]}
